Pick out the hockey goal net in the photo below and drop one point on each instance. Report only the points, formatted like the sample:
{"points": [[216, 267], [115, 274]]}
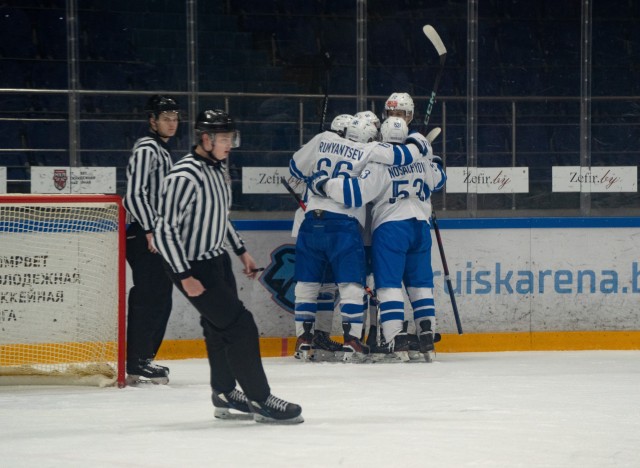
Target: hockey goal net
{"points": [[62, 278]]}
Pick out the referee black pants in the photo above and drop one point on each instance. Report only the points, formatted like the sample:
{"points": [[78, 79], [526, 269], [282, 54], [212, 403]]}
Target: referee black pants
{"points": [[149, 304], [230, 332]]}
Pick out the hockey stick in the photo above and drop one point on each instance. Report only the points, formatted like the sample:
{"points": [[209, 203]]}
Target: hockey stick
{"points": [[433, 134], [326, 57], [293, 192], [433, 36], [447, 278]]}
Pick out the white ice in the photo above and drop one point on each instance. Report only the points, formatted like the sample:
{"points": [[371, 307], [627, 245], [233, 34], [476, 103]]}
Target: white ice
{"points": [[524, 409]]}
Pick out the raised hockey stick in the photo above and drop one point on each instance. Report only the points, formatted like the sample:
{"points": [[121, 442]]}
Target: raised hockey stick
{"points": [[447, 278], [326, 57], [434, 37]]}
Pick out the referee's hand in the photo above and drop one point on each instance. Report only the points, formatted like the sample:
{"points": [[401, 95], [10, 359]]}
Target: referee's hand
{"points": [[250, 269]]}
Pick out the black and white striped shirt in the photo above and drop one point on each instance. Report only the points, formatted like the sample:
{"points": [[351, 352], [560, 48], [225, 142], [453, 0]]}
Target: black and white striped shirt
{"points": [[193, 218], [148, 165]]}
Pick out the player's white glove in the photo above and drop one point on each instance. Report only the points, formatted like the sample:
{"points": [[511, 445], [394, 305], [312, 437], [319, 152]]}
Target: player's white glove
{"points": [[437, 159], [316, 183]]}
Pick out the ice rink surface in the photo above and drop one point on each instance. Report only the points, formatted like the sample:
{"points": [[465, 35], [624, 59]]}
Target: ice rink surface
{"points": [[521, 409]]}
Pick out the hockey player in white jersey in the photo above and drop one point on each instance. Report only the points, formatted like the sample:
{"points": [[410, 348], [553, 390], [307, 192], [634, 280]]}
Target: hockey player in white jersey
{"points": [[401, 236], [313, 331], [399, 105], [330, 233]]}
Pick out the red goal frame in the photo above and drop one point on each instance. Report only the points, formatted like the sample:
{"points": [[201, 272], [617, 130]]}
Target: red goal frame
{"points": [[80, 198]]}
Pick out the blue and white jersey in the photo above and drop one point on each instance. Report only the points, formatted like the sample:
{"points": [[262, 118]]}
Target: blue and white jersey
{"points": [[397, 192], [342, 158]]}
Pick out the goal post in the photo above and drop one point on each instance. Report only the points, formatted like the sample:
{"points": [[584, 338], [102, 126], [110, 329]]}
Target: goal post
{"points": [[62, 290]]}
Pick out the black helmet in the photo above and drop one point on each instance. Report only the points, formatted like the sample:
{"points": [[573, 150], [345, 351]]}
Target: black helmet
{"points": [[215, 121], [157, 104]]}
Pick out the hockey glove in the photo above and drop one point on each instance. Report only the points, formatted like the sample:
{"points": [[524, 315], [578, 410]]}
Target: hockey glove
{"points": [[437, 160], [316, 183], [418, 143]]}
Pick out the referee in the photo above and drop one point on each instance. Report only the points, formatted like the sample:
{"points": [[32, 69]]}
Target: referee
{"points": [[149, 303], [193, 226]]}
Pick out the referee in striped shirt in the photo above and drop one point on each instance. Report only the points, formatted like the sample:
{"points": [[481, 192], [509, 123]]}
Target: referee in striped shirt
{"points": [[192, 230], [150, 297]]}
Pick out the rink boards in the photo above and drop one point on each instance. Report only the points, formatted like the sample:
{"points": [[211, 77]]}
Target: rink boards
{"points": [[520, 284]]}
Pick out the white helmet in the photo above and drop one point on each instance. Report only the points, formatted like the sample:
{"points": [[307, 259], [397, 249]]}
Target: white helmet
{"points": [[394, 130], [340, 123], [399, 102], [370, 116], [361, 130]]}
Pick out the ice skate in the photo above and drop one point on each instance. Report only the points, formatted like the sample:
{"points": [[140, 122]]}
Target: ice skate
{"points": [[427, 347], [304, 343], [235, 400], [379, 352], [354, 349], [400, 346], [145, 371], [414, 348], [325, 349], [273, 410]]}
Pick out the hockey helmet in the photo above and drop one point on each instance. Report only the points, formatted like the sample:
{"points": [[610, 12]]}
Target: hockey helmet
{"points": [[394, 130], [217, 121], [361, 130], [340, 123], [370, 116], [157, 104], [399, 105]]}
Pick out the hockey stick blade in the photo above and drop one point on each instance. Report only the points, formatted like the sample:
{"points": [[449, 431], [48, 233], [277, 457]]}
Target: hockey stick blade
{"points": [[434, 37], [433, 134]]}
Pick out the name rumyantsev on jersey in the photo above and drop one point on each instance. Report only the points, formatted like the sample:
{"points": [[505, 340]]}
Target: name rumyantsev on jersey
{"points": [[341, 150]]}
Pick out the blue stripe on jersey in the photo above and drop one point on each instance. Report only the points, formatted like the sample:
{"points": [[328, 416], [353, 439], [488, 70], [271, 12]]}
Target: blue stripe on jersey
{"points": [[388, 305], [401, 155], [352, 309], [357, 194], [306, 306], [294, 171], [397, 156], [391, 310], [395, 315], [420, 144], [423, 308], [442, 181], [346, 190]]}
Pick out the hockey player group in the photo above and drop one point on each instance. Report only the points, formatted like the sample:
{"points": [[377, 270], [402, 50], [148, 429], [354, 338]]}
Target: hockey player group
{"points": [[364, 234]]}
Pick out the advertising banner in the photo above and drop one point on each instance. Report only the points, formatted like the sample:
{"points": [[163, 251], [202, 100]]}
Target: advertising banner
{"points": [[47, 179]]}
